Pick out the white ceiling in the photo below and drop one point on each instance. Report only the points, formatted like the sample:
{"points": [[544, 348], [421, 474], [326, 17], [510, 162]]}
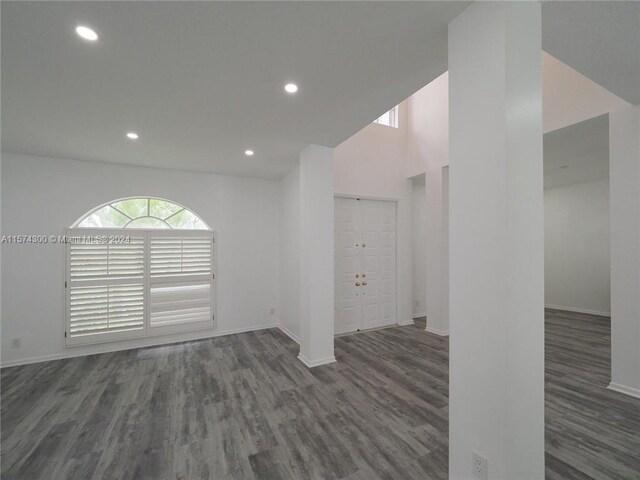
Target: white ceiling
{"points": [[203, 81], [569, 97], [600, 39], [582, 149]]}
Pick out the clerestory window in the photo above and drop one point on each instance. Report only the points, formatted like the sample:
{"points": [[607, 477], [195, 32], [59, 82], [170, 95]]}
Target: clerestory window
{"points": [[390, 118]]}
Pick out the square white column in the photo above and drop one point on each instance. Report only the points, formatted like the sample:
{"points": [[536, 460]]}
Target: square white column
{"points": [[624, 167], [496, 241], [316, 256]]}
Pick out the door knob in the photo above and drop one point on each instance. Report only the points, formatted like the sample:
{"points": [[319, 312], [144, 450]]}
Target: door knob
{"points": [[357, 284]]}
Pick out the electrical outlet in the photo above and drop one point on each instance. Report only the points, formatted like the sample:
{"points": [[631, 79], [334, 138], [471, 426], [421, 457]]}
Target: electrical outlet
{"points": [[16, 342], [479, 466]]}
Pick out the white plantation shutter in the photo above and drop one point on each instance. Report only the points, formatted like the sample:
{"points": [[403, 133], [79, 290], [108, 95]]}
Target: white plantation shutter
{"points": [[180, 280], [156, 282], [105, 287]]}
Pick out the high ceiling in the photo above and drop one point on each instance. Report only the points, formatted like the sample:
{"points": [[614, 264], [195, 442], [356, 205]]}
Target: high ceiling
{"points": [[201, 82], [600, 39], [569, 97], [577, 153]]}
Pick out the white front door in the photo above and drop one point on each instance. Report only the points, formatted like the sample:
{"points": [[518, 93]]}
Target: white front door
{"points": [[347, 232], [365, 264]]}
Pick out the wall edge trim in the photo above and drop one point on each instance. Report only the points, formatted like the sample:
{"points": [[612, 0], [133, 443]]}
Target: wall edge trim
{"points": [[71, 354], [316, 363], [289, 333], [617, 387], [579, 310]]}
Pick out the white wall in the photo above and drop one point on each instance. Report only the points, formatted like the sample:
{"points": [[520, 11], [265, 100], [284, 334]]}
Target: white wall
{"points": [[290, 254], [624, 163], [45, 195], [419, 227], [445, 245], [576, 247], [1, 230], [570, 97], [316, 256], [428, 127], [372, 164], [428, 151], [496, 362], [378, 161]]}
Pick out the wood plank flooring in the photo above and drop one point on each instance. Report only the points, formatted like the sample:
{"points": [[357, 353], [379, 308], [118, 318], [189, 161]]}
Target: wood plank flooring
{"points": [[591, 431], [243, 407]]}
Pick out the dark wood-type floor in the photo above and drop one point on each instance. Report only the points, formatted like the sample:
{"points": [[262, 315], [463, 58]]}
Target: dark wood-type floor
{"points": [[591, 432], [243, 407]]}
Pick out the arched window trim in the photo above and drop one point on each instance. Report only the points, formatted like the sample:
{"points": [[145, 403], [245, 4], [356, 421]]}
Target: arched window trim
{"points": [[150, 216], [111, 204]]}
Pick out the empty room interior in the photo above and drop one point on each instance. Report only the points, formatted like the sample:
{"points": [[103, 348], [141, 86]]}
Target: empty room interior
{"points": [[320, 240]]}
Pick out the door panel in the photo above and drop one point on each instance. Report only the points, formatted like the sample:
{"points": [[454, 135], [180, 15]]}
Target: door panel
{"points": [[379, 253], [347, 265], [365, 254]]}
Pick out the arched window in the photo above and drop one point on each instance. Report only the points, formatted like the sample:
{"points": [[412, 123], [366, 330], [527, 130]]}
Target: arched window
{"points": [[138, 267], [142, 212]]}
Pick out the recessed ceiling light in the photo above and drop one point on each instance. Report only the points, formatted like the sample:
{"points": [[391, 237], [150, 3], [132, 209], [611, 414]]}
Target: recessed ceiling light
{"points": [[248, 153], [86, 33], [291, 88], [132, 136]]}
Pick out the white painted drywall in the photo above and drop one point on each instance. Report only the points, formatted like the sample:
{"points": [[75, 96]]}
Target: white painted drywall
{"points": [[496, 389], [624, 162], [316, 256], [428, 151], [445, 245], [428, 127], [290, 254], [46, 195], [1, 230], [570, 97], [419, 230], [372, 164], [576, 247]]}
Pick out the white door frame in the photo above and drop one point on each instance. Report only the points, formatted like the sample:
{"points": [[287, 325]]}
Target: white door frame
{"points": [[399, 248]]}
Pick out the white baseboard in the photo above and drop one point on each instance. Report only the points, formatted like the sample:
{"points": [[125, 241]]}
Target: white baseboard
{"points": [[289, 334], [107, 348], [316, 363], [616, 387], [419, 315], [442, 333], [405, 323], [579, 310]]}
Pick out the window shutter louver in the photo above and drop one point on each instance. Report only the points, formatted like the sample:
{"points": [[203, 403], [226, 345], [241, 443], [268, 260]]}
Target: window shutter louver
{"points": [[105, 288], [155, 283], [181, 280]]}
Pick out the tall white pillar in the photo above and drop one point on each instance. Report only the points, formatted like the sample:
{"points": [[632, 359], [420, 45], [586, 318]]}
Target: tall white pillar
{"points": [[444, 267], [496, 241], [624, 167], [437, 321], [316, 256]]}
